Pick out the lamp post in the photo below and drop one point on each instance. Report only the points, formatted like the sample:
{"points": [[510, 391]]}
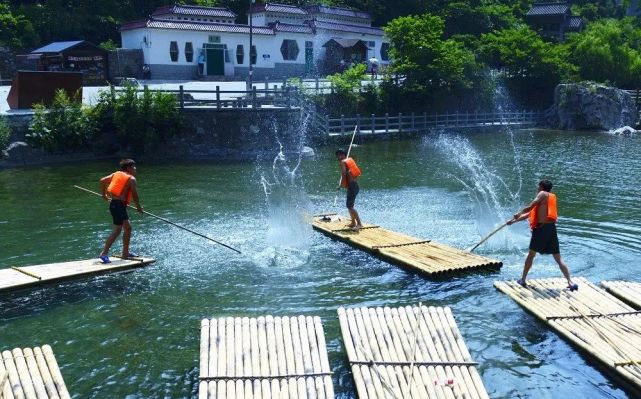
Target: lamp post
{"points": [[251, 25]]}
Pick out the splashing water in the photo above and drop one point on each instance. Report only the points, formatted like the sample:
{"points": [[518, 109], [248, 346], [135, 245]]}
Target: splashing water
{"points": [[288, 233], [493, 201]]}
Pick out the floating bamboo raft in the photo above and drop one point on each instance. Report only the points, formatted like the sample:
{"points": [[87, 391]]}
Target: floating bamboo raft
{"points": [[626, 291], [425, 256], [408, 352], [15, 278], [598, 323], [264, 357], [31, 373]]}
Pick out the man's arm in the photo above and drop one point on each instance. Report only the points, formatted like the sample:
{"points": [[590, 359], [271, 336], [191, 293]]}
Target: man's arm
{"points": [[344, 171], [524, 213], [104, 183], [134, 193]]}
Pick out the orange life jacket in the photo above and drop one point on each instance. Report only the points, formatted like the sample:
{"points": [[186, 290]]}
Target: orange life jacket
{"points": [[352, 168], [118, 184], [552, 213]]}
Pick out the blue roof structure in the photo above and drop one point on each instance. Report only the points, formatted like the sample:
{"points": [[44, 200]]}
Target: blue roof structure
{"points": [[57, 47]]}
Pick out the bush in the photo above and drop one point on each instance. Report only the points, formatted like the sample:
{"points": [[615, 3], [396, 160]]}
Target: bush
{"points": [[65, 127], [5, 135], [138, 119]]}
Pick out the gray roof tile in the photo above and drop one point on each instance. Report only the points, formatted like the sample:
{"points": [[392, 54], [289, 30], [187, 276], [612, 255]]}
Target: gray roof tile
{"points": [[540, 9]]}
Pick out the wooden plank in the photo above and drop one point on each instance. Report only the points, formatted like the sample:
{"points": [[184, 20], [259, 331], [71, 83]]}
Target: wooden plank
{"points": [[264, 357], [424, 256], [408, 352], [627, 291], [12, 279], [602, 326]]}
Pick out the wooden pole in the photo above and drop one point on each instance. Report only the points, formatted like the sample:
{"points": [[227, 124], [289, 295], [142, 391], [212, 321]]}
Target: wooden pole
{"points": [[488, 236], [167, 221]]}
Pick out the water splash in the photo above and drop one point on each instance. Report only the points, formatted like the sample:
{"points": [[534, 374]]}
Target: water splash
{"points": [[288, 233], [493, 200]]}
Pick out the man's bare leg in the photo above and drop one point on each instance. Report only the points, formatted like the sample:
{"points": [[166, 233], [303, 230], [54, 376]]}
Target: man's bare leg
{"points": [[527, 266], [126, 236], [356, 220], [563, 267], [110, 240]]}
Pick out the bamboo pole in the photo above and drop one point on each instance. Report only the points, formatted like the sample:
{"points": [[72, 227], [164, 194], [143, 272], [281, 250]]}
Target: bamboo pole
{"points": [[290, 361], [23, 373], [55, 372], [255, 356], [204, 358], [34, 373], [238, 358], [169, 222], [14, 378], [247, 357]]}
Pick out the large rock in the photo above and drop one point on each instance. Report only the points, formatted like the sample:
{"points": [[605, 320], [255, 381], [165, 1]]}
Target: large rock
{"points": [[590, 106]]}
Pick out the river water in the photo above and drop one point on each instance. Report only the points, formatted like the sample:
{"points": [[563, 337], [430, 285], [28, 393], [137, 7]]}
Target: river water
{"points": [[136, 335]]}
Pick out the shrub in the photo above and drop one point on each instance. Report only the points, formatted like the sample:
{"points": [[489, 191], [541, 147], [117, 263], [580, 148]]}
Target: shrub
{"points": [[5, 135], [64, 127], [138, 119]]}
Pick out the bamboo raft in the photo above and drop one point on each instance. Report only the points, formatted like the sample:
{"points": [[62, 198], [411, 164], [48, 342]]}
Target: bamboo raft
{"points": [[264, 357], [425, 256], [598, 323], [626, 291], [408, 352], [31, 373], [16, 278]]}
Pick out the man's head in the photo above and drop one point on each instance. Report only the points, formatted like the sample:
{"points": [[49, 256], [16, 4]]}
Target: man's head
{"points": [[128, 165], [341, 154], [545, 185]]}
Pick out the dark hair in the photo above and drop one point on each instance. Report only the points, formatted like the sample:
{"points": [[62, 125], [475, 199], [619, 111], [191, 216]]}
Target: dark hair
{"points": [[546, 185], [341, 151], [125, 163]]}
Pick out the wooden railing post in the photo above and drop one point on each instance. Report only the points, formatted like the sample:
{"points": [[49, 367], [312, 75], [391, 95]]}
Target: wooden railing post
{"points": [[373, 124], [181, 97], [266, 83], [288, 98], [317, 85], [400, 122], [217, 96], [424, 120], [386, 123], [413, 122], [358, 122], [342, 124], [254, 104]]}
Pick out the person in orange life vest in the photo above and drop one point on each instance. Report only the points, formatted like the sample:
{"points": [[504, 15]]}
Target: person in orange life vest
{"points": [[350, 173], [121, 186], [542, 214]]}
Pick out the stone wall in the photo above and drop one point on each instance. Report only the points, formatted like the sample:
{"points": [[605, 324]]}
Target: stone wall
{"points": [[125, 63], [207, 133]]}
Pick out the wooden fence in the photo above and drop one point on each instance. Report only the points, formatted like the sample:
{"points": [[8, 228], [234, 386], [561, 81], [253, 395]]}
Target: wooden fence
{"points": [[400, 123]]}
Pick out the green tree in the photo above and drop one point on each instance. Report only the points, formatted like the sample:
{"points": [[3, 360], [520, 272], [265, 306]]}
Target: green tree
{"points": [[16, 31], [608, 51], [533, 67]]}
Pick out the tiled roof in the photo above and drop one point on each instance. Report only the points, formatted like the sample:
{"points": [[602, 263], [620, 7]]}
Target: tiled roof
{"points": [[200, 26], [541, 9], [275, 7], [345, 43], [344, 12], [348, 28], [195, 10], [280, 27], [575, 23], [57, 47]]}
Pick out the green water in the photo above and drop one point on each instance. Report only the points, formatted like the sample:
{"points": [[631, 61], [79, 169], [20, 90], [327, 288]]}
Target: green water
{"points": [[136, 335]]}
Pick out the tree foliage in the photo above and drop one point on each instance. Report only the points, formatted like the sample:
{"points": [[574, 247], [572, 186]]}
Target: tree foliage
{"points": [[608, 51]]}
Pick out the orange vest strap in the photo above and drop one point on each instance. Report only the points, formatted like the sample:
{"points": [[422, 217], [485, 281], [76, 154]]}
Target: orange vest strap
{"points": [[354, 170]]}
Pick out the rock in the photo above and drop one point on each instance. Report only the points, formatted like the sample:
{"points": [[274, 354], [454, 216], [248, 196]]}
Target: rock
{"points": [[625, 131], [590, 106], [308, 152]]}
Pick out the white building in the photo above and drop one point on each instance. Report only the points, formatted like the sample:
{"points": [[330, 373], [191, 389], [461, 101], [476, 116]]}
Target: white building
{"points": [[185, 42]]}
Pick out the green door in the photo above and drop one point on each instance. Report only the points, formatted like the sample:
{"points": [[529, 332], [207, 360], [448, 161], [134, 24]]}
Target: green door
{"points": [[215, 61]]}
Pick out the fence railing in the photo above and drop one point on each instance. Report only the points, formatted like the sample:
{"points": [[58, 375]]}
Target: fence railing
{"points": [[399, 123], [283, 97]]}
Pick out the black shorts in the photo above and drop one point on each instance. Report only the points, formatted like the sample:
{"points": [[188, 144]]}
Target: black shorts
{"points": [[352, 192], [118, 211], [544, 239]]}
